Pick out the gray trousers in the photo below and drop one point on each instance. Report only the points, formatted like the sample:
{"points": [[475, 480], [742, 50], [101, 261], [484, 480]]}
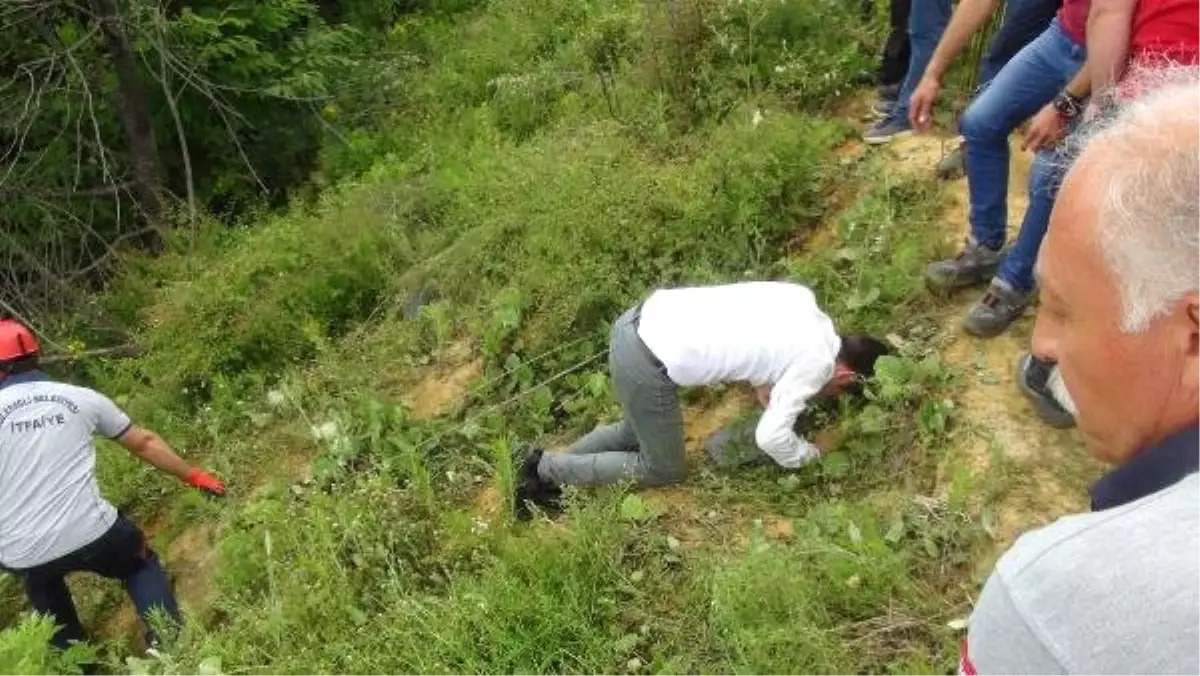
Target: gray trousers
{"points": [[647, 445]]}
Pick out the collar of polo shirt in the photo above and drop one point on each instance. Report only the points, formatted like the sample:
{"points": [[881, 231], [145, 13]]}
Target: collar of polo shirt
{"points": [[27, 377], [1150, 471]]}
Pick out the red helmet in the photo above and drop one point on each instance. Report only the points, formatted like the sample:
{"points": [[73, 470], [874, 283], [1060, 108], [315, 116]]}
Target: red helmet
{"points": [[16, 341]]}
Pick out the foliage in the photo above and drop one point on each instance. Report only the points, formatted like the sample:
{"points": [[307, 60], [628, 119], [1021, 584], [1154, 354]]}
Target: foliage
{"points": [[25, 649]]}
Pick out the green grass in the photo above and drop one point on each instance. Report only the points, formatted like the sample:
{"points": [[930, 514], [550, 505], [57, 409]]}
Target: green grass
{"points": [[544, 166]]}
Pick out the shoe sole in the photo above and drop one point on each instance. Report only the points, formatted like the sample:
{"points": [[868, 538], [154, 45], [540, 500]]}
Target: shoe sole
{"points": [[881, 140], [990, 331], [949, 286], [1052, 417]]}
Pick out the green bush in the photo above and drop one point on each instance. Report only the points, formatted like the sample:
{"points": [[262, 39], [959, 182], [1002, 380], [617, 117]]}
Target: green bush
{"points": [[271, 298], [25, 649]]}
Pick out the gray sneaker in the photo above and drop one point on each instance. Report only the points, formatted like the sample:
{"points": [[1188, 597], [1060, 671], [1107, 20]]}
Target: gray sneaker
{"points": [[1000, 306], [974, 265], [885, 130], [953, 165]]}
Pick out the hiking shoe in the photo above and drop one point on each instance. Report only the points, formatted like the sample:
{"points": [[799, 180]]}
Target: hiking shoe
{"points": [[885, 130], [865, 77], [1000, 306], [974, 265], [532, 489], [889, 92], [1033, 379], [952, 166], [882, 109]]}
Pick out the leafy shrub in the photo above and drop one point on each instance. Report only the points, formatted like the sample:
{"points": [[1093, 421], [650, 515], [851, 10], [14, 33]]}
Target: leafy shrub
{"points": [[272, 298], [25, 649], [707, 55]]}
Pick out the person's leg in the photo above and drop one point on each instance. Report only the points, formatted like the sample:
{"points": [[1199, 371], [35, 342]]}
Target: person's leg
{"points": [[46, 588], [896, 50], [1045, 177], [125, 555], [1027, 83], [653, 422], [926, 22], [613, 438], [1023, 22]]}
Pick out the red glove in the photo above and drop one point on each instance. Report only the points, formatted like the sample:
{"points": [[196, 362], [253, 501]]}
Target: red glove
{"points": [[205, 482]]}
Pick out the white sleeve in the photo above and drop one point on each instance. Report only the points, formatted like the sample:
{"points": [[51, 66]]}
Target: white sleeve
{"points": [[106, 417], [789, 397]]}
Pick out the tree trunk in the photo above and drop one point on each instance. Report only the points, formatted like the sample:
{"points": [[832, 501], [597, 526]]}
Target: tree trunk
{"points": [[133, 109]]}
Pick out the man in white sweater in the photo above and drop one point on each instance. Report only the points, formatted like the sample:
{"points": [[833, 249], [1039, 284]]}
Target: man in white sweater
{"points": [[769, 334]]}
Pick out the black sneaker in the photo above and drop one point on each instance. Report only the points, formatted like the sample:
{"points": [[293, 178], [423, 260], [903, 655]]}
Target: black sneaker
{"points": [[532, 489], [1033, 378], [889, 92]]}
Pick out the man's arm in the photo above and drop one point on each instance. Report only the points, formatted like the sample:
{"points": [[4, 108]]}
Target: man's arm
{"points": [[789, 397], [152, 450], [1109, 25], [968, 17]]}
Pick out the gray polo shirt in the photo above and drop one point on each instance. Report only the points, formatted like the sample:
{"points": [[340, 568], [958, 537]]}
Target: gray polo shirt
{"points": [[1110, 592], [50, 504]]}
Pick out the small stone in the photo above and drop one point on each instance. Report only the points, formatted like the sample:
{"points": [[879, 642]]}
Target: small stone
{"points": [[672, 543], [634, 664], [637, 576]]}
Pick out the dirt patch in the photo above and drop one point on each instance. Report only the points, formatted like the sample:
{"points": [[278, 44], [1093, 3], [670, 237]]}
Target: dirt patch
{"points": [[446, 385], [192, 559]]}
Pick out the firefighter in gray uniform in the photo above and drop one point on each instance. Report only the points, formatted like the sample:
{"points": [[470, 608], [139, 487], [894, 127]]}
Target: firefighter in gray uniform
{"points": [[53, 520]]}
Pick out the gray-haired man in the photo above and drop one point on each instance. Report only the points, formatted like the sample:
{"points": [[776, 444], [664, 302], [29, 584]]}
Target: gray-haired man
{"points": [[1117, 590]]}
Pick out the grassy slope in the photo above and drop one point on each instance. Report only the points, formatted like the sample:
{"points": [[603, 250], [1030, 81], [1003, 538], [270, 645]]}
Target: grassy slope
{"points": [[530, 200]]}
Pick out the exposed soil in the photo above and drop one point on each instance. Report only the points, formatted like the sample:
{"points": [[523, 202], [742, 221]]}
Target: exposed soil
{"points": [[446, 385]]}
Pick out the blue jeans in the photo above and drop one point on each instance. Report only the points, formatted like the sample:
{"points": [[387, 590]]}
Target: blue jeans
{"points": [[1023, 21], [1029, 81], [122, 554], [926, 22], [1045, 177]]}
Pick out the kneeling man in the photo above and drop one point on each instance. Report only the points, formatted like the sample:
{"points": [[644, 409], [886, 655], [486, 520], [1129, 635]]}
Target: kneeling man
{"points": [[769, 334]]}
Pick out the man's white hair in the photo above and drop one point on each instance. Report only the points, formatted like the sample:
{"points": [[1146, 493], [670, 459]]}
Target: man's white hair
{"points": [[1145, 151]]}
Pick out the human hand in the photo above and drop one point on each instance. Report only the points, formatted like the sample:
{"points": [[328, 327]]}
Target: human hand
{"points": [[764, 395], [920, 105], [1045, 129], [206, 482]]}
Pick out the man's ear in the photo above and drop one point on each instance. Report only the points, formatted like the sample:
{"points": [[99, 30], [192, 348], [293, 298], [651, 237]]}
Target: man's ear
{"points": [[843, 374], [1191, 326], [1193, 313]]}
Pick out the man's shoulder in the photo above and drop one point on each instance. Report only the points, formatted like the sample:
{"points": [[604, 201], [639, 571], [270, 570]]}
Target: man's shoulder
{"points": [[1116, 587], [1171, 514], [47, 389]]}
